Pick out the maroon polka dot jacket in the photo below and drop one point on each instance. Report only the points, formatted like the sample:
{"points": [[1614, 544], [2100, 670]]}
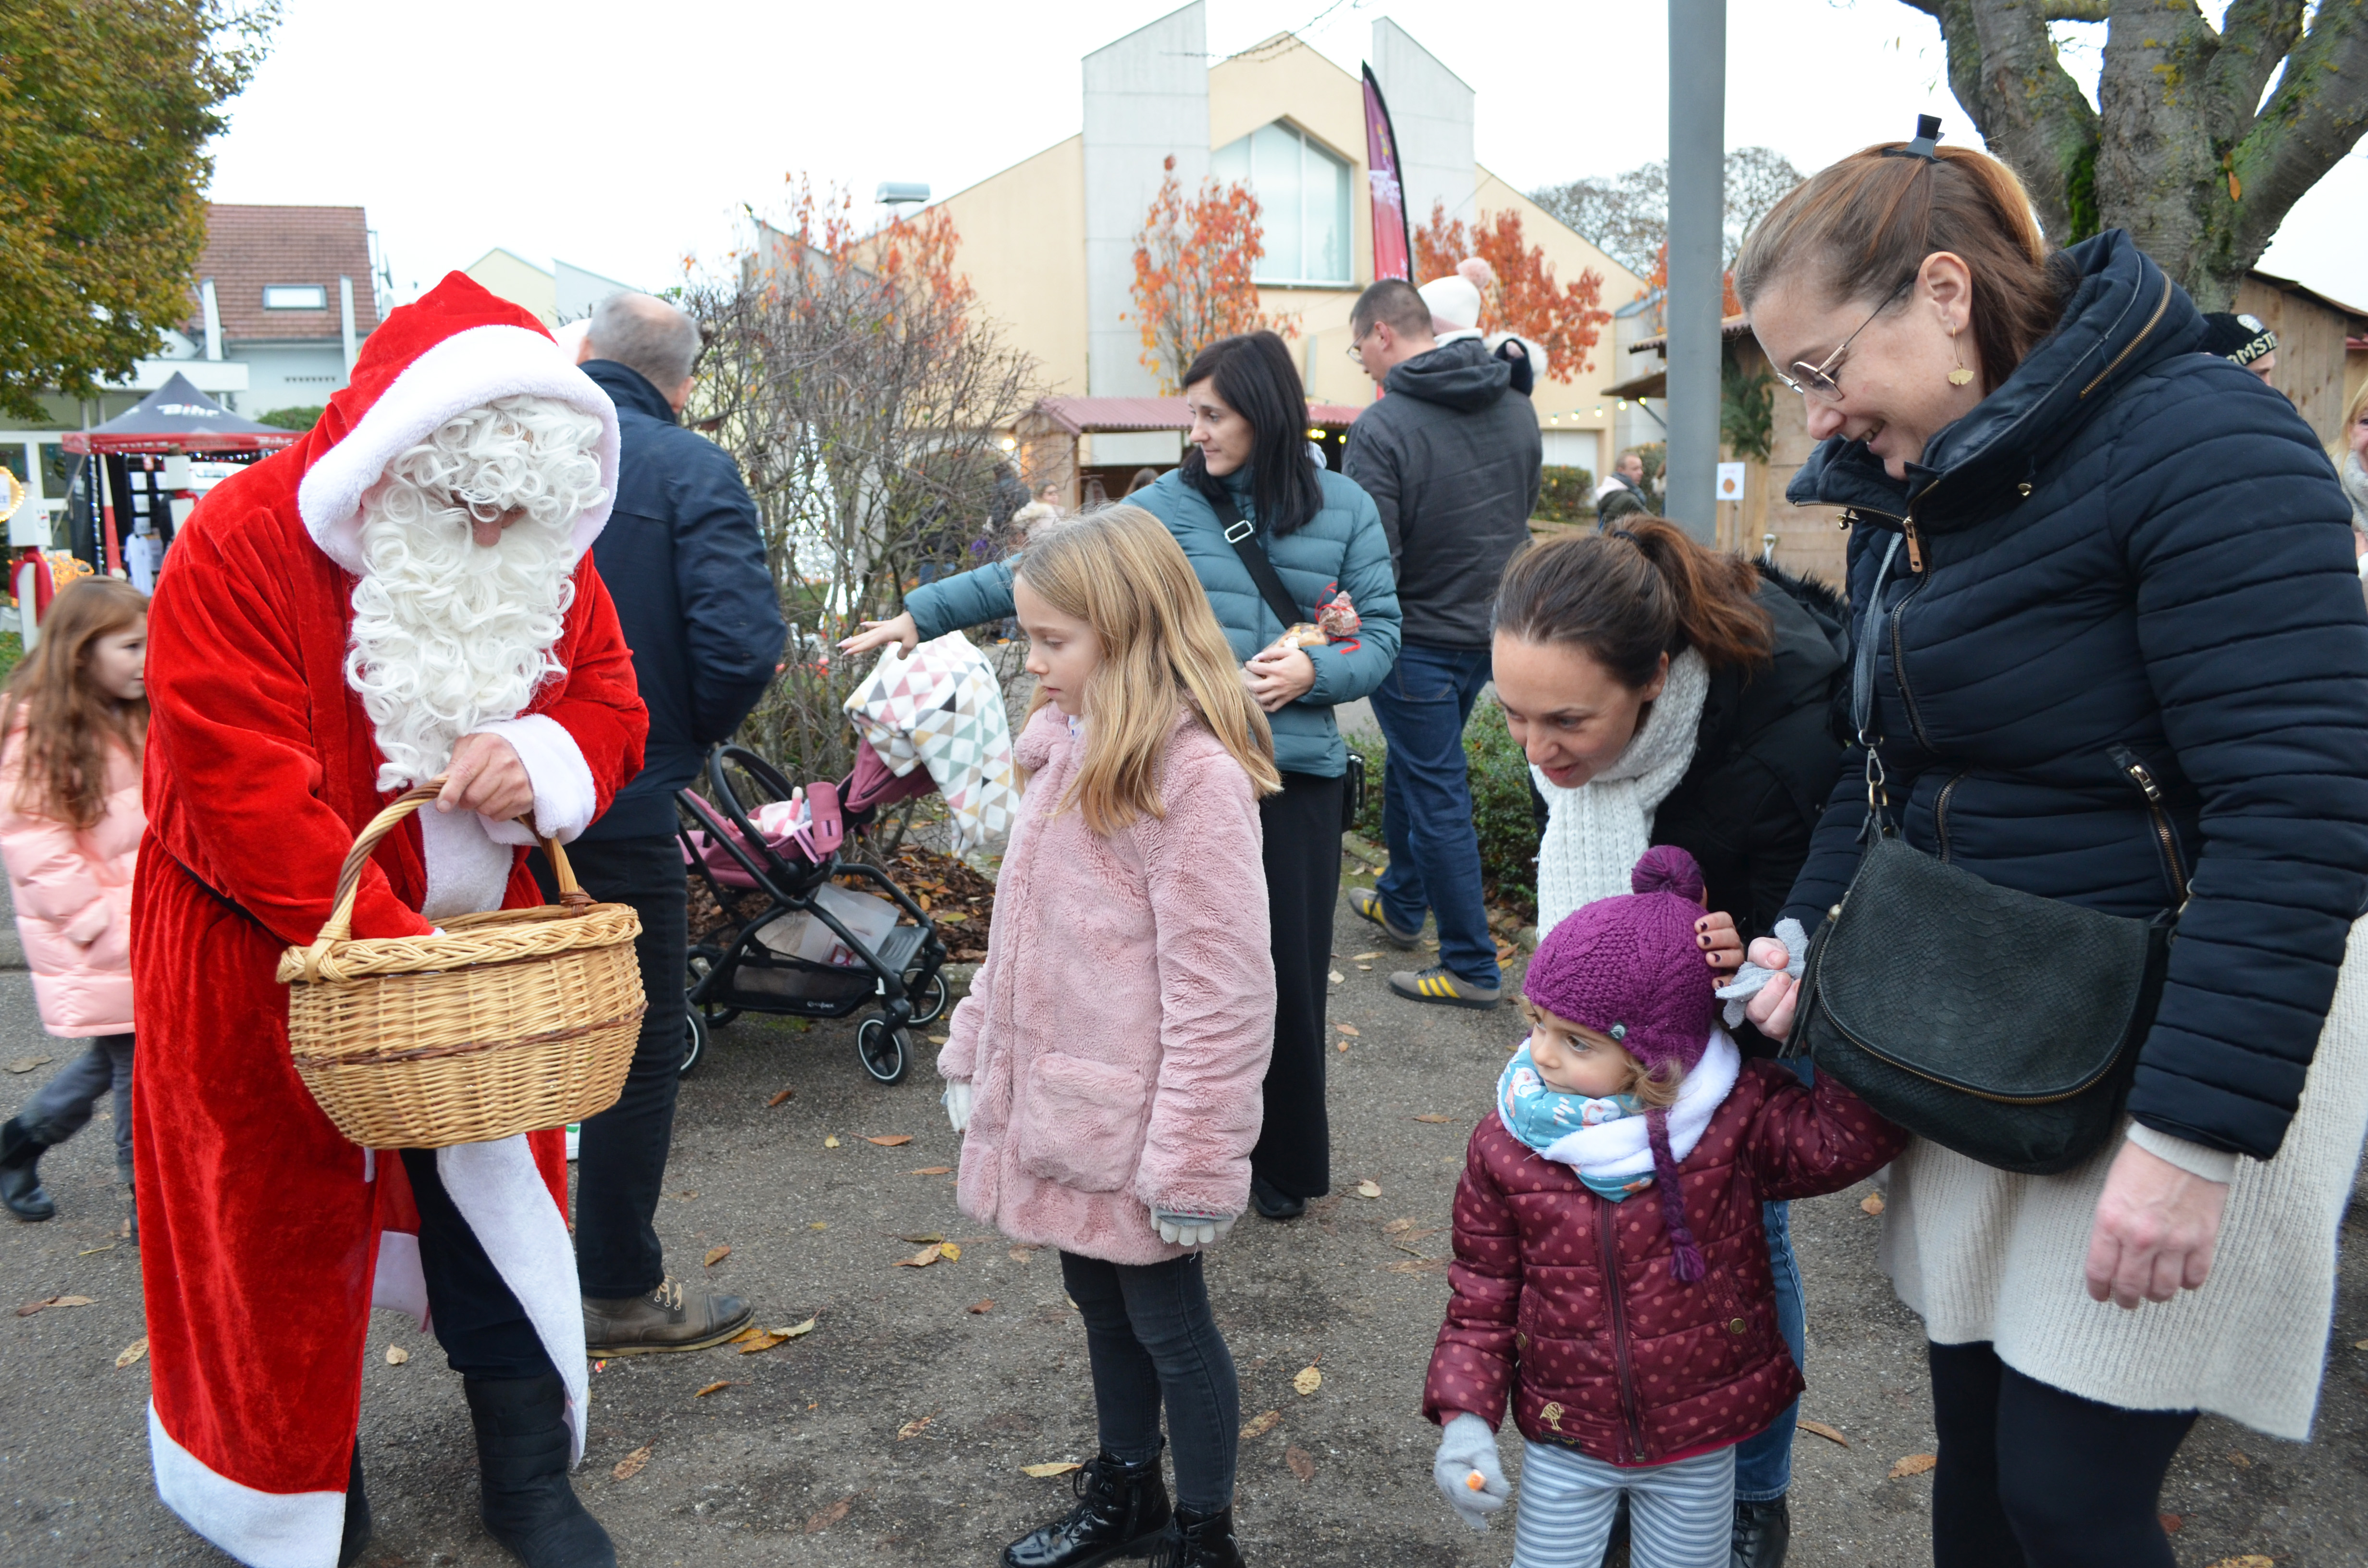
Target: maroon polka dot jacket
{"points": [[1566, 1299]]}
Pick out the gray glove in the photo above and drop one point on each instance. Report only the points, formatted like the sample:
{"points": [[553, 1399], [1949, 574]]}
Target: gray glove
{"points": [[1466, 1449], [1749, 978], [1184, 1228], [956, 1100]]}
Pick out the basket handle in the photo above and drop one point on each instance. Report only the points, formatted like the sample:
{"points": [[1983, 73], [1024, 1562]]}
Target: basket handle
{"points": [[350, 877]]}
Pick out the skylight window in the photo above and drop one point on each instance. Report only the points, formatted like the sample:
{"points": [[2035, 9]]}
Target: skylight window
{"points": [[295, 297]]}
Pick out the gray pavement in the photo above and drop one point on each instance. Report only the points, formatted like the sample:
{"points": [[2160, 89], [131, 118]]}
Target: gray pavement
{"points": [[894, 1432]]}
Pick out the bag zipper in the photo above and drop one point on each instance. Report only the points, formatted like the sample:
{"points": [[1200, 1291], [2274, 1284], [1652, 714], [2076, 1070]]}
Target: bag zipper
{"points": [[1941, 813], [2166, 838], [1605, 1217]]}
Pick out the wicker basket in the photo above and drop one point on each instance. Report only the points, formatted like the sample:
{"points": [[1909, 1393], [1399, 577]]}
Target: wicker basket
{"points": [[510, 1021]]}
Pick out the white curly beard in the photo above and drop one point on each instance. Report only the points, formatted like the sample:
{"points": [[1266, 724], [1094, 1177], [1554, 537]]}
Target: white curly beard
{"points": [[450, 635]]}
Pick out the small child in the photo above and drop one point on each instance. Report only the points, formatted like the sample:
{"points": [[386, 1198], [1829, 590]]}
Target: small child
{"points": [[1611, 1271], [72, 730], [1105, 1069]]}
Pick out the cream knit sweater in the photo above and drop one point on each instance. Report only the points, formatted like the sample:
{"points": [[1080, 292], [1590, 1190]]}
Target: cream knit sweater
{"points": [[1983, 1254]]}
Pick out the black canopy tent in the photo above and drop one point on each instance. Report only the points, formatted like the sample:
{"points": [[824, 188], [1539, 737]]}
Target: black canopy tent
{"points": [[176, 420]]}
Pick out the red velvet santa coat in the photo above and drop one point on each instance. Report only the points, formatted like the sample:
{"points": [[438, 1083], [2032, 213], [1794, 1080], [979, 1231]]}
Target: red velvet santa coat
{"points": [[263, 1230]]}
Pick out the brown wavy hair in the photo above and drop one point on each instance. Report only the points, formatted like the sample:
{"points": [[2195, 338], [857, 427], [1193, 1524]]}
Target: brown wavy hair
{"points": [[1859, 228], [68, 721], [1633, 594]]}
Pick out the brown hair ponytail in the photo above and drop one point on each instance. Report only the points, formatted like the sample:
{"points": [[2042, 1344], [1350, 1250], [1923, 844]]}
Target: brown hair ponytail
{"points": [[67, 722], [1630, 596]]}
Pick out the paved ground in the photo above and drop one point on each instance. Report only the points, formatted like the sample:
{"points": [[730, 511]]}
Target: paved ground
{"points": [[804, 1458]]}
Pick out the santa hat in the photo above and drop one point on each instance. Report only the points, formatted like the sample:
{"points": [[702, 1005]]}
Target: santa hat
{"points": [[1454, 300], [455, 349]]}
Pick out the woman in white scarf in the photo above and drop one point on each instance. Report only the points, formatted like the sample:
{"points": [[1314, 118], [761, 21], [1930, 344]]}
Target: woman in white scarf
{"points": [[1668, 694]]}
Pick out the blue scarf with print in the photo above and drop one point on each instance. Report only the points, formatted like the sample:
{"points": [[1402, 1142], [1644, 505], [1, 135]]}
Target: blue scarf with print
{"points": [[1542, 1115]]}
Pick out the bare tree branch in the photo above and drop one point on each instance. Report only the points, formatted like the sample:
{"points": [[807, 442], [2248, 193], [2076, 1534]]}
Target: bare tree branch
{"points": [[2074, 10], [2003, 69], [2315, 119], [2254, 36]]}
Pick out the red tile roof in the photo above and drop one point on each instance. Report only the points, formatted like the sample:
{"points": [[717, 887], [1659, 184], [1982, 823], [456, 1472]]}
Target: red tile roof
{"points": [[250, 247]]}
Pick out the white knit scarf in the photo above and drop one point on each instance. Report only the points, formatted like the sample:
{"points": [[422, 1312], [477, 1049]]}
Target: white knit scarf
{"points": [[1596, 832]]}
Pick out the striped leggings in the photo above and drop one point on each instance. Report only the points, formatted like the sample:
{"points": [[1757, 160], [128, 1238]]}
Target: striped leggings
{"points": [[1681, 1515]]}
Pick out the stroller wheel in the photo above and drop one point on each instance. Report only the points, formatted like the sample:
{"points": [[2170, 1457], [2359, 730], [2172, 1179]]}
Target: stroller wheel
{"points": [[929, 999], [885, 1052], [694, 1042], [717, 1018]]}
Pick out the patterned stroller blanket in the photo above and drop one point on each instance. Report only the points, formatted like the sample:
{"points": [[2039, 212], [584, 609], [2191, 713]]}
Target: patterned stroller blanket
{"points": [[941, 709]]}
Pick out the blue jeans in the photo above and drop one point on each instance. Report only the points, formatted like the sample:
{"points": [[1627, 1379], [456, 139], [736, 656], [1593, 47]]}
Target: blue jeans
{"points": [[1427, 805], [1763, 1465]]}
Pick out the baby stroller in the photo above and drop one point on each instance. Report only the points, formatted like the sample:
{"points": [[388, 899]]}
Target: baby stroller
{"points": [[793, 941]]}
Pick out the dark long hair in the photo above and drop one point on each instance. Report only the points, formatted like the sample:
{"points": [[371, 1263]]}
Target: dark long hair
{"points": [[1256, 379], [69, 722], [1630, 596]]}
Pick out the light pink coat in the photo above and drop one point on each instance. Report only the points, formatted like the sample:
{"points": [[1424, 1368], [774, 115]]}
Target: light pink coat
{"points": [[73, 893], [1117, 1035]]}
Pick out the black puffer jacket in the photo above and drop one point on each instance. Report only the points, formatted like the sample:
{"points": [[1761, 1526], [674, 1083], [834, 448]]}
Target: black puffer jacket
{"points": [[2130, 553]]}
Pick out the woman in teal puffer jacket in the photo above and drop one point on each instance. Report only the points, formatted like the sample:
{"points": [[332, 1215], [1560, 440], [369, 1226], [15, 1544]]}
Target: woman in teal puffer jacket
{"points": [[1324, 536]]}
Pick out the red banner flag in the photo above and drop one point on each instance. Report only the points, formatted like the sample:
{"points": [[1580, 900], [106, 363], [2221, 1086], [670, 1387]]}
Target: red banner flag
{"points": [[1392, 244]]}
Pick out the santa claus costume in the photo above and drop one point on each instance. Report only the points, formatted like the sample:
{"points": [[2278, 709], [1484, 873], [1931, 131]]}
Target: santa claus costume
{"points": [[330, 622]]}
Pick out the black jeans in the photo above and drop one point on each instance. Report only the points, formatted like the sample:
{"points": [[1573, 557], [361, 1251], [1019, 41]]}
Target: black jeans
{"points": [[1153, 1341], [63, 1106], [483, 1331], [620, 1159], [1303, 883], [2033, 1477]]}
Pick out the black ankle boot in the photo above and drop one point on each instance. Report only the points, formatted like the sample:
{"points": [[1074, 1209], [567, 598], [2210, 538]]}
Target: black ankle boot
{"points": [[1199, 1541], [522, 1448], [1763, 1532], [20, 1176], [355, 1540], [1121, 1510]]}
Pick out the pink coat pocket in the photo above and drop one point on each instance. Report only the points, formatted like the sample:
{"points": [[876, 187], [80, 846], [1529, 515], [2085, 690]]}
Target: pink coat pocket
{"points": [[1080, 1123]]}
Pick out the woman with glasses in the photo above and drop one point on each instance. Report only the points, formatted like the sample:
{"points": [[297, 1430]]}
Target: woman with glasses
{"points": [[2118, 657]]}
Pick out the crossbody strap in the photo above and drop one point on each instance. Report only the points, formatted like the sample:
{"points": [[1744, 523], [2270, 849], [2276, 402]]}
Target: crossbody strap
{"points": [[1242, 535], [1862, 694]]}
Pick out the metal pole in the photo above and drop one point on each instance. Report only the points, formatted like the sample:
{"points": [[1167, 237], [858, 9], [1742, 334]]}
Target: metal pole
{"points": [[1697, 252]]}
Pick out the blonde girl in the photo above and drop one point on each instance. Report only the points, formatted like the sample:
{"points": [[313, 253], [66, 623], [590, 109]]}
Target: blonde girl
{"points": [[1105, 1069]]}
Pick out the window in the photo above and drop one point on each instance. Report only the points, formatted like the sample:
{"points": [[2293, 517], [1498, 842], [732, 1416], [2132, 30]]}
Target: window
{"points": [[1302, 194], [295, 297]]}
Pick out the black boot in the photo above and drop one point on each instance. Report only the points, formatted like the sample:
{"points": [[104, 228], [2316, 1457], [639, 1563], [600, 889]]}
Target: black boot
{"points": [[355, 1537], [1762, 1533], [1273, 1202], [20, 1176], [1199, 1540], [1121, 1510], [522, 1448]]}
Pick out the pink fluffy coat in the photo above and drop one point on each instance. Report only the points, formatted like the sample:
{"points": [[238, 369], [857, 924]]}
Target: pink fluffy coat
{"points": [[1118, 1033], [73, 893]]}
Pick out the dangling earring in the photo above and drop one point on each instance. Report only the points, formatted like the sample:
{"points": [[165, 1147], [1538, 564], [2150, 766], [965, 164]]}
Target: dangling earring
{"points": [[1961, 375]]}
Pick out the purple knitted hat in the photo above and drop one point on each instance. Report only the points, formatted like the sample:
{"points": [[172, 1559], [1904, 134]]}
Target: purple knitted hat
{"points": [[1630, 968]]}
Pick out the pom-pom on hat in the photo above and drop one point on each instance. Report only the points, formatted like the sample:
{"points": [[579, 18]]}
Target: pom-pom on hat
{"points": [[1454, 300], [1631, 967]]}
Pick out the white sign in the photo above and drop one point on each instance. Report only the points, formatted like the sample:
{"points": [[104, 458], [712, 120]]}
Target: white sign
{"points": [[1730, 482]]}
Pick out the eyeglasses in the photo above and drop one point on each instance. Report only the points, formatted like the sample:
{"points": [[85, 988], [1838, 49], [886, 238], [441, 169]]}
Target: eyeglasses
{"points": [[1820, 381], [1357, 345]]}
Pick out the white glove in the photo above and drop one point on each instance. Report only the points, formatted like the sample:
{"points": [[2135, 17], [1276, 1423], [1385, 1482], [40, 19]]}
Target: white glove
{"points": [[1466, 1447], [1180, 1229], [956, 1100]]}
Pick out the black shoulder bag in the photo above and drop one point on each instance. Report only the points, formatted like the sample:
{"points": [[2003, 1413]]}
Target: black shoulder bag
{"points": [[1997, 1022], [1241, 533]]}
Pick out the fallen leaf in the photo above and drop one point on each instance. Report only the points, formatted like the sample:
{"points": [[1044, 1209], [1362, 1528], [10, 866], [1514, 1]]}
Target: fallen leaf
{"points": [[923, 1258], [2172, 1523], [1912, 1465], [396, 1355], [893, 1139], [933, 1170], [1433, 1117], [1369, 1189], [26, 1064], [950, 1252], [1021, 1254], [1302, 1463], [1338, 978], [939, 1039], [922, 1238], [29, 1308], [1827, 1433], [1399, 1227], [830, 1516], [2250, 1560], [1043, 1472], [1360, 958], [1260, 1427], [817, 1225], [798, 1330], [830, 1141], [716, 1255], [631, 1465], [784, 1097], [759, 1341], [1366, 967], [1872, 1203], [87, 1252], [133, 1352], [914, 1427], [1348, 1030], [2359, 1344], [1343, 1047], [1307, 1381], [953, 915], [711, 1388], [2236, 1457], [982, 1308], [686, 1197], [1417, 1266]]}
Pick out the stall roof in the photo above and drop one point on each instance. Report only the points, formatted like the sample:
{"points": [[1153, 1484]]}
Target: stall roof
{"points": [[1079, 416], [177, 417]]}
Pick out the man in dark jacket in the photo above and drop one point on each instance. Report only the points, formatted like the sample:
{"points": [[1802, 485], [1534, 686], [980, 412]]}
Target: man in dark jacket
{"points": [[684, 563], [1451, 456], [1624, 493]]}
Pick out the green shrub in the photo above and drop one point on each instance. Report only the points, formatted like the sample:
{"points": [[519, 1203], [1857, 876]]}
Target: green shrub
{"points": [[1500, 775], [302, 418], [12, 652], [1561, 493]]}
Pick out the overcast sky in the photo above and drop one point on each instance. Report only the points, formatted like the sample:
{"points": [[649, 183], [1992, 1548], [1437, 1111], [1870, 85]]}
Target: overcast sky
{"points": [[623, 136]]}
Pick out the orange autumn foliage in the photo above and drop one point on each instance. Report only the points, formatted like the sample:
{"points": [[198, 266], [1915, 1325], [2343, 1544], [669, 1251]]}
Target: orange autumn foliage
{"points": [[1194, 266], [1566, 318], [1659, 279], [913, 255]]}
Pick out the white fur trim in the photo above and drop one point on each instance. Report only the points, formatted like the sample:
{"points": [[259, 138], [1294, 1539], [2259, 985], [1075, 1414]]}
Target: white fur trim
{"points": [[400, 1284], [263, 1529], [468, 871], [1623, 1148], [501, 1194], [465, 371], [565, 795]]}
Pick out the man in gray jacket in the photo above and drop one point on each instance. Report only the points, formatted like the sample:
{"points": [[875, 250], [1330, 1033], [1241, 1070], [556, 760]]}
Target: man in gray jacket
{"points": [[1451, 456]]}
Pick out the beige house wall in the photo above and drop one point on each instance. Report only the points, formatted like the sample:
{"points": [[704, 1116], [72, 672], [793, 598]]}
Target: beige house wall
{"points": [[519, 281], [1023, 248]]}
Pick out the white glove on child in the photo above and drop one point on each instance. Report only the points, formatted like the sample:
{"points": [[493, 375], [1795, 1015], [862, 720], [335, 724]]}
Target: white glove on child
{"points": [[956, 1100], [1181, 1228], [1466, 1447]]}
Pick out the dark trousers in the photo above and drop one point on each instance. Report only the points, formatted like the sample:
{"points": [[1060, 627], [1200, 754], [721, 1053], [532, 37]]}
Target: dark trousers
{"points": [[1303, 883], [1153, 1343], [1427, 805], [2033, 1477], [620, 1159], [63, 1106], [483, 1331]]}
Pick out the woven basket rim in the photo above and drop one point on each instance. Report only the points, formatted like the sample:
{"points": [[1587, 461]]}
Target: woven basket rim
{"points": [[470, 941]]}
